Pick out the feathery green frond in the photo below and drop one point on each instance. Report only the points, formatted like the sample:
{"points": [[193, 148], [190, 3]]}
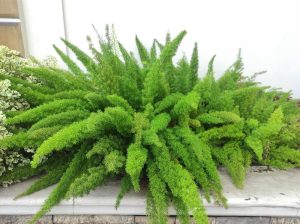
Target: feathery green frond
{"points": [[47, 109], [159, 192], [69, 62], [126, 185], [86, 60], [118, 101], [63, 118], [256, 141], [194, 63], [181, 211], [136, 158], [155, 83], [143, 53], [114, 161], [61, 189], [52, 177], [86, 182], [30, 139], [72, 135], [219, 117]]}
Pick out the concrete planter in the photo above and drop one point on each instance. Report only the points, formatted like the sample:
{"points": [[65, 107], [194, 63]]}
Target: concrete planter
{"points": [[268, 197]]}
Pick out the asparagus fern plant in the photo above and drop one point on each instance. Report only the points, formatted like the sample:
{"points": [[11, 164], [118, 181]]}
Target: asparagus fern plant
{"points": [[149, 121]]}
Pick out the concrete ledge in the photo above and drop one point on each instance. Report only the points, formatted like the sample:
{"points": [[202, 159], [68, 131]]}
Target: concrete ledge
{"points": [[267, 193]]}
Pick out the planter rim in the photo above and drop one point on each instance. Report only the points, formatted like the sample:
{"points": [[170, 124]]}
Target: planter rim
{"points": [[266, 193]]}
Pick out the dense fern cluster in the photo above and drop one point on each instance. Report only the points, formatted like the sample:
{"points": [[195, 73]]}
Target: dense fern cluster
{"points": [[149, 121]]}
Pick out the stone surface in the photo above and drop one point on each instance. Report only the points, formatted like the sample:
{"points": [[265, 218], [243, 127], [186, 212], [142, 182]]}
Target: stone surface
{"points": [[77, 219], [128, 219], [212, 220], [93, 219], [242, 220], [23, 219], [114, 219], [285, 221], [144, 220]]}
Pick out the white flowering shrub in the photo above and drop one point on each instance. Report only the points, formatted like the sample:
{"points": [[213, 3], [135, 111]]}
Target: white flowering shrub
{"points": [[11, 64]]}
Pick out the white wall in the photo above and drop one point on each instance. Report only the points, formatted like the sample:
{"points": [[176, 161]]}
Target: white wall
{"points": [[268, 31], [43, 23]]}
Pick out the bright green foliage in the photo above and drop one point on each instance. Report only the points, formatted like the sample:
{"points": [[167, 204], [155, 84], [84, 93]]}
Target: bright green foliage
{"points": [[259, 137], [71, 135], [151, 209], [168, 102], [160, 122], [86, 60], [200, 151], [194, 65], [136, 158], [156, 86], [181, 211], [140, 123], [153, 123], [53, 79], [219, 117], [30, 139], [114, 161], [63, 118], [86, 182], [226, 131], [189, 160], [45, 110], [63, 186], [143, 53], [69, 62], [186, 104], [118, 101], [231, 156], [232, 76], [180, 183], [105, 145], [52, 177], [126, 185], [153, 52], [120, 119], [284, 158], [182, 83], [159, 192]]}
